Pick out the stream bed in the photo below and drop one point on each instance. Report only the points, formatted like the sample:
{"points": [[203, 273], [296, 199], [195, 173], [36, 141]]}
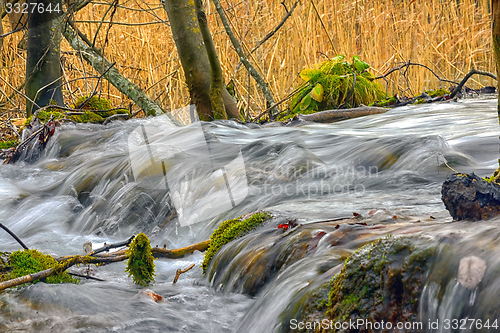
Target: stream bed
{"points": [[99, 184]]}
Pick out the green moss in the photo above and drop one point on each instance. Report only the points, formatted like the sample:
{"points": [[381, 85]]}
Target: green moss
{"points": [[419, 101], [31, 261], [229, 230], [385, 102], [330, 86], [438, 92], [140, 264], [98, 103], [8, 144], [380, 280], [87, 117], [44, 116]]}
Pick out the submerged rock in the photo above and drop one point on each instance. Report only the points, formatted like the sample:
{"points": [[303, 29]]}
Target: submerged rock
{"points": [[380, 282], [469, 197]]}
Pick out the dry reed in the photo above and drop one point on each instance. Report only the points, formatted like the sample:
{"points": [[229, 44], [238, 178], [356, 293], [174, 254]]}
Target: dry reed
{"points": [[449, 36]]}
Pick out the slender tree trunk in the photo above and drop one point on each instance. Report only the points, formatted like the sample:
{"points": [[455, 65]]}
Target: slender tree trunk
{"points": [[495, 32], [189, 42], [217, 81], [43, 69]]}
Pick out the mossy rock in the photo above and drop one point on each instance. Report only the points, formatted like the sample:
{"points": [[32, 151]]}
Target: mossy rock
{"points": [[230, 230], [385, 102], [335, 83], [21, 263], [90, 114], [97, 103], [380, 281]]}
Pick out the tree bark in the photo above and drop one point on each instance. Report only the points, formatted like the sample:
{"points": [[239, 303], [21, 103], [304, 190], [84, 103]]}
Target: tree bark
{"points": [[495, 34], [194, 59], [43, 69], [217, 81]]}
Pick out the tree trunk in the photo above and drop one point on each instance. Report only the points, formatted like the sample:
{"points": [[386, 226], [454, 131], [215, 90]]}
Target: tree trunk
{"points": [[43, 69], [217, 81], [189, 42], [495, 32]]}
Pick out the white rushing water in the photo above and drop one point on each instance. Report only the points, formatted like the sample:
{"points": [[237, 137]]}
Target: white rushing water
{"points": [[83, 188]]}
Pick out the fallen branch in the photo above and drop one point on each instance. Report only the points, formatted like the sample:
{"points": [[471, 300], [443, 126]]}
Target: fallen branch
{"points": [[467, 77], [63, 266], [180, 271], [331, 116], [179, 253], [97, 258], [112, 246]]}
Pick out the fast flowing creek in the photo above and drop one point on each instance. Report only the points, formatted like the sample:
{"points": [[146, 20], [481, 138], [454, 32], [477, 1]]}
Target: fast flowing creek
{"points": [[84, 187]]}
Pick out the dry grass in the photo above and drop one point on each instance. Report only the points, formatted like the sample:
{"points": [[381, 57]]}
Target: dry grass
{"points": [[450, 37]]}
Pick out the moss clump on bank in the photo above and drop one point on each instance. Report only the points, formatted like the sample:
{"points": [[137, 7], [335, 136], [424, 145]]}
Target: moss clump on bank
{"points": [[140, 264], [98, 103], [229, 230], [335, 83], [8, 144], [89, 111], [31, 261], [438, 92]]}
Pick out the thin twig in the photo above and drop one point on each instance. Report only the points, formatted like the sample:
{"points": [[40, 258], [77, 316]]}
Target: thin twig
{"points": [[263, 85], [112, 246], [408, 63], [14, 236], [272, 32], [324, 27], [180, 271]]}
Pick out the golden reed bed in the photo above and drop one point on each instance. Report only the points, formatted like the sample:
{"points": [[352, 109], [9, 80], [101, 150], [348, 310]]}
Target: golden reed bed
{"points": [[450, 37]]}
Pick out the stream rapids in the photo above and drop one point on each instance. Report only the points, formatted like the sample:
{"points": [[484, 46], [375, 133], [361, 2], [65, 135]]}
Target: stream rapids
{"points": [[96, 183]]}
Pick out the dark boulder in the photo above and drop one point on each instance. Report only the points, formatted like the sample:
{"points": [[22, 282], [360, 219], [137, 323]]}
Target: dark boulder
{"points": [[469, 197]]}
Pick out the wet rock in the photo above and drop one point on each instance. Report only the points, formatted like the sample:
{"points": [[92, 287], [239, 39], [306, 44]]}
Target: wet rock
{"points": [[469, 197], [382, 281]]}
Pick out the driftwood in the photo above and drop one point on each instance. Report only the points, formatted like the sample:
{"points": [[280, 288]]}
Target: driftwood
{"points": [[469, 197], [331, 116]]}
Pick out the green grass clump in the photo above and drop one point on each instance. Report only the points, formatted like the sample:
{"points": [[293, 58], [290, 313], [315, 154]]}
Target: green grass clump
{"points": [[229, 230], [140, 264], [31, 261], [330, 86], [8, 144]]}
